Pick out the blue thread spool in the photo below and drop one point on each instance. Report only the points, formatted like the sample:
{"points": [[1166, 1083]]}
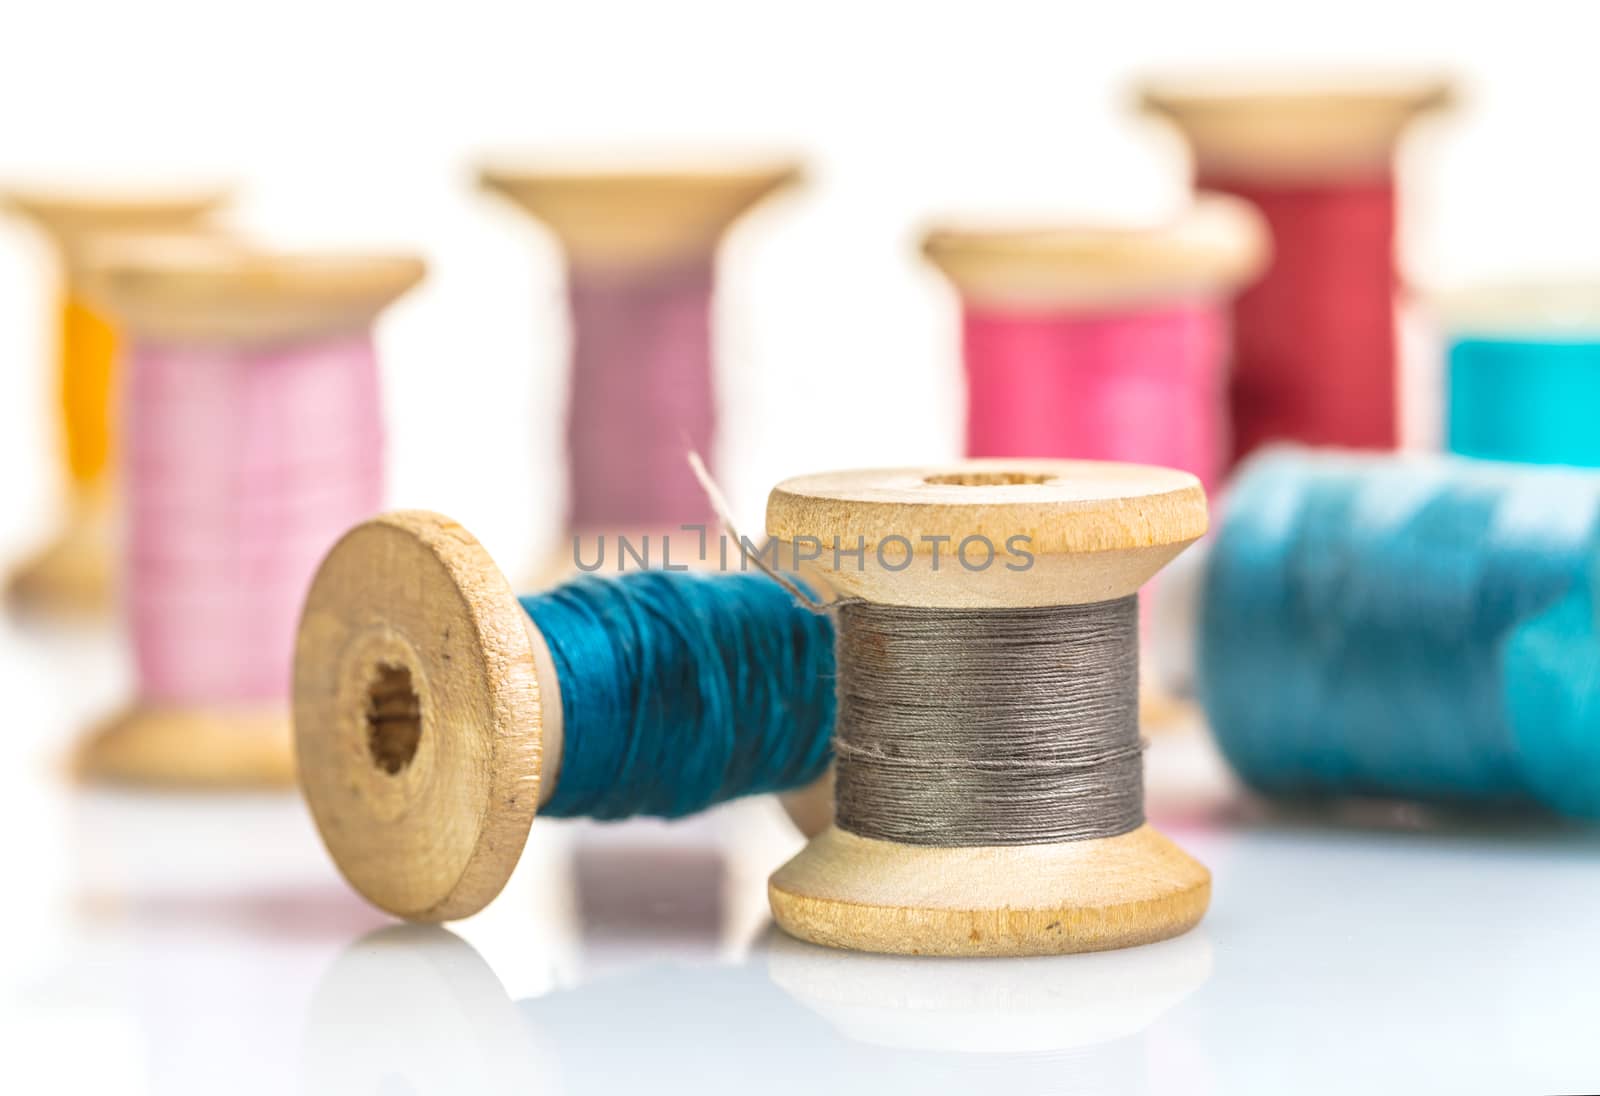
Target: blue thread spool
{"points": [[1524, 373], [1420, 628], [435, 713]]}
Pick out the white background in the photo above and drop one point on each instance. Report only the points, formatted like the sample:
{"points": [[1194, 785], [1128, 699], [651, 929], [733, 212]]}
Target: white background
{"points": [[184, 947], [360, 122]]}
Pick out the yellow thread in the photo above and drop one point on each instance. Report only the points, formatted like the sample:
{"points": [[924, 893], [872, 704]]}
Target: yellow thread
{"points": [[88, 355]]}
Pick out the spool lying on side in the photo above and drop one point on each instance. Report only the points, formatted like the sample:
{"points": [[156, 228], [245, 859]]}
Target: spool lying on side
{"points": [[1092, 534], [430, 724], [1420, 628], [254, 438]]}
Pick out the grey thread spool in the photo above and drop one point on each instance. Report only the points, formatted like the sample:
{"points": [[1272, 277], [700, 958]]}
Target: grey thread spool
{"points": [[990, 801], [961, 727]]}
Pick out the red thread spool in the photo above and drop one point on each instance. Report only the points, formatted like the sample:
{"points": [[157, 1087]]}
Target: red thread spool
{"points": [[1098, 342], [1316, 345], [254, 439], [640, 248]]}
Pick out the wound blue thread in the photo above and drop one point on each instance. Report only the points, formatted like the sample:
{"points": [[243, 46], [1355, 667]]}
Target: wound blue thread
{"points": [[1420, 628], [680, 690]]}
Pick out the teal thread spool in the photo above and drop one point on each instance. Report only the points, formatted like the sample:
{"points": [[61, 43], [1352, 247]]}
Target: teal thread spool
{"points": [[1523, 378], [435, 713], [1416, 628]]}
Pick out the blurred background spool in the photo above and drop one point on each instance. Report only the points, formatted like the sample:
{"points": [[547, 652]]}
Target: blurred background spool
{"points": [[1523, 372], [435, 713], [1099, 342], [641, 249], [957, 878], [73, 573], [1316, 341], [254, 436], [1421, 628]]}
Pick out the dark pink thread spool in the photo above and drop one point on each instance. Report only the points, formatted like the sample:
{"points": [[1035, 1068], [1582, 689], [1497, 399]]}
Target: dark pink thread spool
{"points": [[1102, 343], [253, 440], [640, 250]]}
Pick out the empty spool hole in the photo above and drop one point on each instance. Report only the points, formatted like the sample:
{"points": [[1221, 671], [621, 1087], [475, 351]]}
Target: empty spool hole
{"points": [[988, 479], [394, 718]]}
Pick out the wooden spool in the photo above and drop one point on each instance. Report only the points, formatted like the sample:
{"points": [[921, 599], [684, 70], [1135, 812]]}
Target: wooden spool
{"points": [[1098, 532], [1295, 129], [73, 573], [427, 716], [223, 292], [628, 217]]}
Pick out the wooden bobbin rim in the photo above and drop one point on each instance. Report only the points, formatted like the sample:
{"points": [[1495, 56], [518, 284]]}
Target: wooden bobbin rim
{"points": [[157, 745], [1535, 309], [1093, 530], [408, 609], [853, 892], [1213, 246], [643, 214], [1295, 127], [218, 289], [67, 213]]}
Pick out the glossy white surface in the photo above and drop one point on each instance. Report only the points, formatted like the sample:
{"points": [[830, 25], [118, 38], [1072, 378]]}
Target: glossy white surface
{"points": [[207, 946]]}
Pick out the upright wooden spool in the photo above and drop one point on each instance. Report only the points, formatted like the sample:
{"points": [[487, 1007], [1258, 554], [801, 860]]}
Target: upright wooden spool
{"points": [[177, 294], [1316, 349], [1025, 289], [631, 224], [1098, 532], [73, 572], [427, 716], [1208, 250]]}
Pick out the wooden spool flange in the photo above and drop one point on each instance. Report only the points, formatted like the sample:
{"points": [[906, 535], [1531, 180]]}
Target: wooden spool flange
{"points": [[1212, 248], [1292, 129], [639, 215], [1098, 532], [427, 716]]}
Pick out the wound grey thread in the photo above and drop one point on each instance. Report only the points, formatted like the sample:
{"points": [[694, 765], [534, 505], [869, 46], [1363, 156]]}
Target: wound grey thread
{"points": [[960, 727]]}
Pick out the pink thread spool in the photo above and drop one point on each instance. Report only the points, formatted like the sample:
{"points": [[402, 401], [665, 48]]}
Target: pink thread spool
{"points": [[640, 249], [253, 440], [1101, 343]]}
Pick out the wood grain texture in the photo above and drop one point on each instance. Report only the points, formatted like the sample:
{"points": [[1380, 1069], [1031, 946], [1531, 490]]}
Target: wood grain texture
{"points": [[854, 892], [155, 746], [632, 216], [437, 838], [1295, 127], [1209, 249], [1097, 531]]}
